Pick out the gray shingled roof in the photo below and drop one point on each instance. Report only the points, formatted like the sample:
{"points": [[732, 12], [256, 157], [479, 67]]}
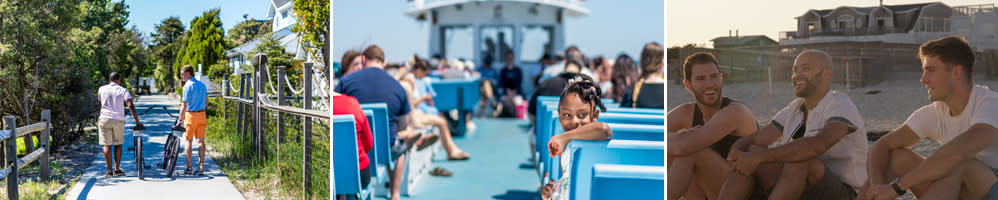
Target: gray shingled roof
{"points": [[894, 8]]}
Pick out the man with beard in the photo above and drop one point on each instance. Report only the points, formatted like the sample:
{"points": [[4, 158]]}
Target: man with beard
{"points": [[702, 132], [962, 117], [815, 148]]}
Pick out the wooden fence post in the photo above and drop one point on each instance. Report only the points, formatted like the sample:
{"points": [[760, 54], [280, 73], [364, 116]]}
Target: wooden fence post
{"points": [[281, 77], [259, 62], [307, 132], [246, 106], [225, 93], [239, 105], [262, 133], [11, 152], [280, 118], [43, 161]]}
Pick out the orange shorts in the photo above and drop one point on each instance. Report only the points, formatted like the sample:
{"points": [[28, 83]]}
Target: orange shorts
{"points": [[195, 123]]}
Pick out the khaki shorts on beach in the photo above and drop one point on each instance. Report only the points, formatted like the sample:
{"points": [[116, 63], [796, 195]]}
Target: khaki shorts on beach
{"points": [[111, 131]]}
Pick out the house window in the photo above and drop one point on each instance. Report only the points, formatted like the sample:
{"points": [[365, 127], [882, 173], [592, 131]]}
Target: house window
{"points": [[946, 25], [284, 14], [846, 22], [925, 25], [880, 23], [810, 28]]}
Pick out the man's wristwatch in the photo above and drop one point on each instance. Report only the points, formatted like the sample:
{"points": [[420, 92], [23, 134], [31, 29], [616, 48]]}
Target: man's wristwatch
{"points": [[897, 189]]}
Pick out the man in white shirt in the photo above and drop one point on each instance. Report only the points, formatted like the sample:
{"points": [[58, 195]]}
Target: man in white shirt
{"points": [[815, 148], [962, 117], [111, 123]]}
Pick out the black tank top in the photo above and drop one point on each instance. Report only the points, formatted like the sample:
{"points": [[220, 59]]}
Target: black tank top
{"points": [[722, 146]]}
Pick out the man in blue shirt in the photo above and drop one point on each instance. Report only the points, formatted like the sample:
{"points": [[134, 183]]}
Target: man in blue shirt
{"points": [[373, 85], [192, 115]]}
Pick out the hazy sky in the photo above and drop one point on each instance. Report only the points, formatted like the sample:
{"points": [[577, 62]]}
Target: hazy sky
{"points": [[610, 28], [700, 21]]}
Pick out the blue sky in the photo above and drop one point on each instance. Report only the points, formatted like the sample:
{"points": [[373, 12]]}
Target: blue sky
{"points": [[612, 27], [145, 14]]}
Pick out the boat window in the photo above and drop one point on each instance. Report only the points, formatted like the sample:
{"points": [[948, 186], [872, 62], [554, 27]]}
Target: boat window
{"points": [[537, 40], [496, 40]]}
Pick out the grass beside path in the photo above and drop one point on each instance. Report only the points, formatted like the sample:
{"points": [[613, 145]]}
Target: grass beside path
{"points": [[66, 166], [278, 174]]}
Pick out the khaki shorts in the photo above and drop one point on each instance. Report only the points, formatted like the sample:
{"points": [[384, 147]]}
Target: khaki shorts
{"points": [[195, 123], [112, 131]]}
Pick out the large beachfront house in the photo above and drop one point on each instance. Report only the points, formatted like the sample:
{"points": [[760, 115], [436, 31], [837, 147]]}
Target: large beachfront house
{"points": [[873, 40]]}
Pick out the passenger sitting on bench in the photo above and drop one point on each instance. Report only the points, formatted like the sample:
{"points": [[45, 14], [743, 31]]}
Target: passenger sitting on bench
{"points": [[648, 91], [373, 85], [577, 113], [552, 87], [365, 142], [486, 104], [421, 97], [354, 61]]}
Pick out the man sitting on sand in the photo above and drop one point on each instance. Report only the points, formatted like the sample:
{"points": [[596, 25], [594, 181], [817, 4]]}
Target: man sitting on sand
{"points": [[701, 133], [815, 148], [962, 117]]}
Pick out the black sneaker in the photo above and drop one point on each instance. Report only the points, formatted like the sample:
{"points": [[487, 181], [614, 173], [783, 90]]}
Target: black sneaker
{"points": [[187, 171], [198, 172], [119, 173]]}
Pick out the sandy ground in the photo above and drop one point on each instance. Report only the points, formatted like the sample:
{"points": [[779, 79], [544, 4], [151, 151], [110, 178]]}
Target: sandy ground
{"points": [[894, 100]]}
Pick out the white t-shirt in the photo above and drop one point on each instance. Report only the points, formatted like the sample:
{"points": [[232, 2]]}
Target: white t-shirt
{"points": [[112, 101], [934, 120], [847, 158]]}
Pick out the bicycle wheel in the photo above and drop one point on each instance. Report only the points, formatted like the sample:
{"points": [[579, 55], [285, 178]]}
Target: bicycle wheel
{"points": [[172, 163], [166, 151]]}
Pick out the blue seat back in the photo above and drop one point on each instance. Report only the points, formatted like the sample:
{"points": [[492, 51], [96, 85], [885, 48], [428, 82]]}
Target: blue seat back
{"points": [[344, 147], [637, 131], [585, 154], [650, 111], [544, 131], [380, 132], [372, 157], [631, 118], [640, 182], [456, 94]]}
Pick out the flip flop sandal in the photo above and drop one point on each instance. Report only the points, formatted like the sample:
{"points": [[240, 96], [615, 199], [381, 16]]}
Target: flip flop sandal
{"points": [[427, 142], [119, 173], [399, 148], [440, 172], [109, 174], [463, 156]]}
